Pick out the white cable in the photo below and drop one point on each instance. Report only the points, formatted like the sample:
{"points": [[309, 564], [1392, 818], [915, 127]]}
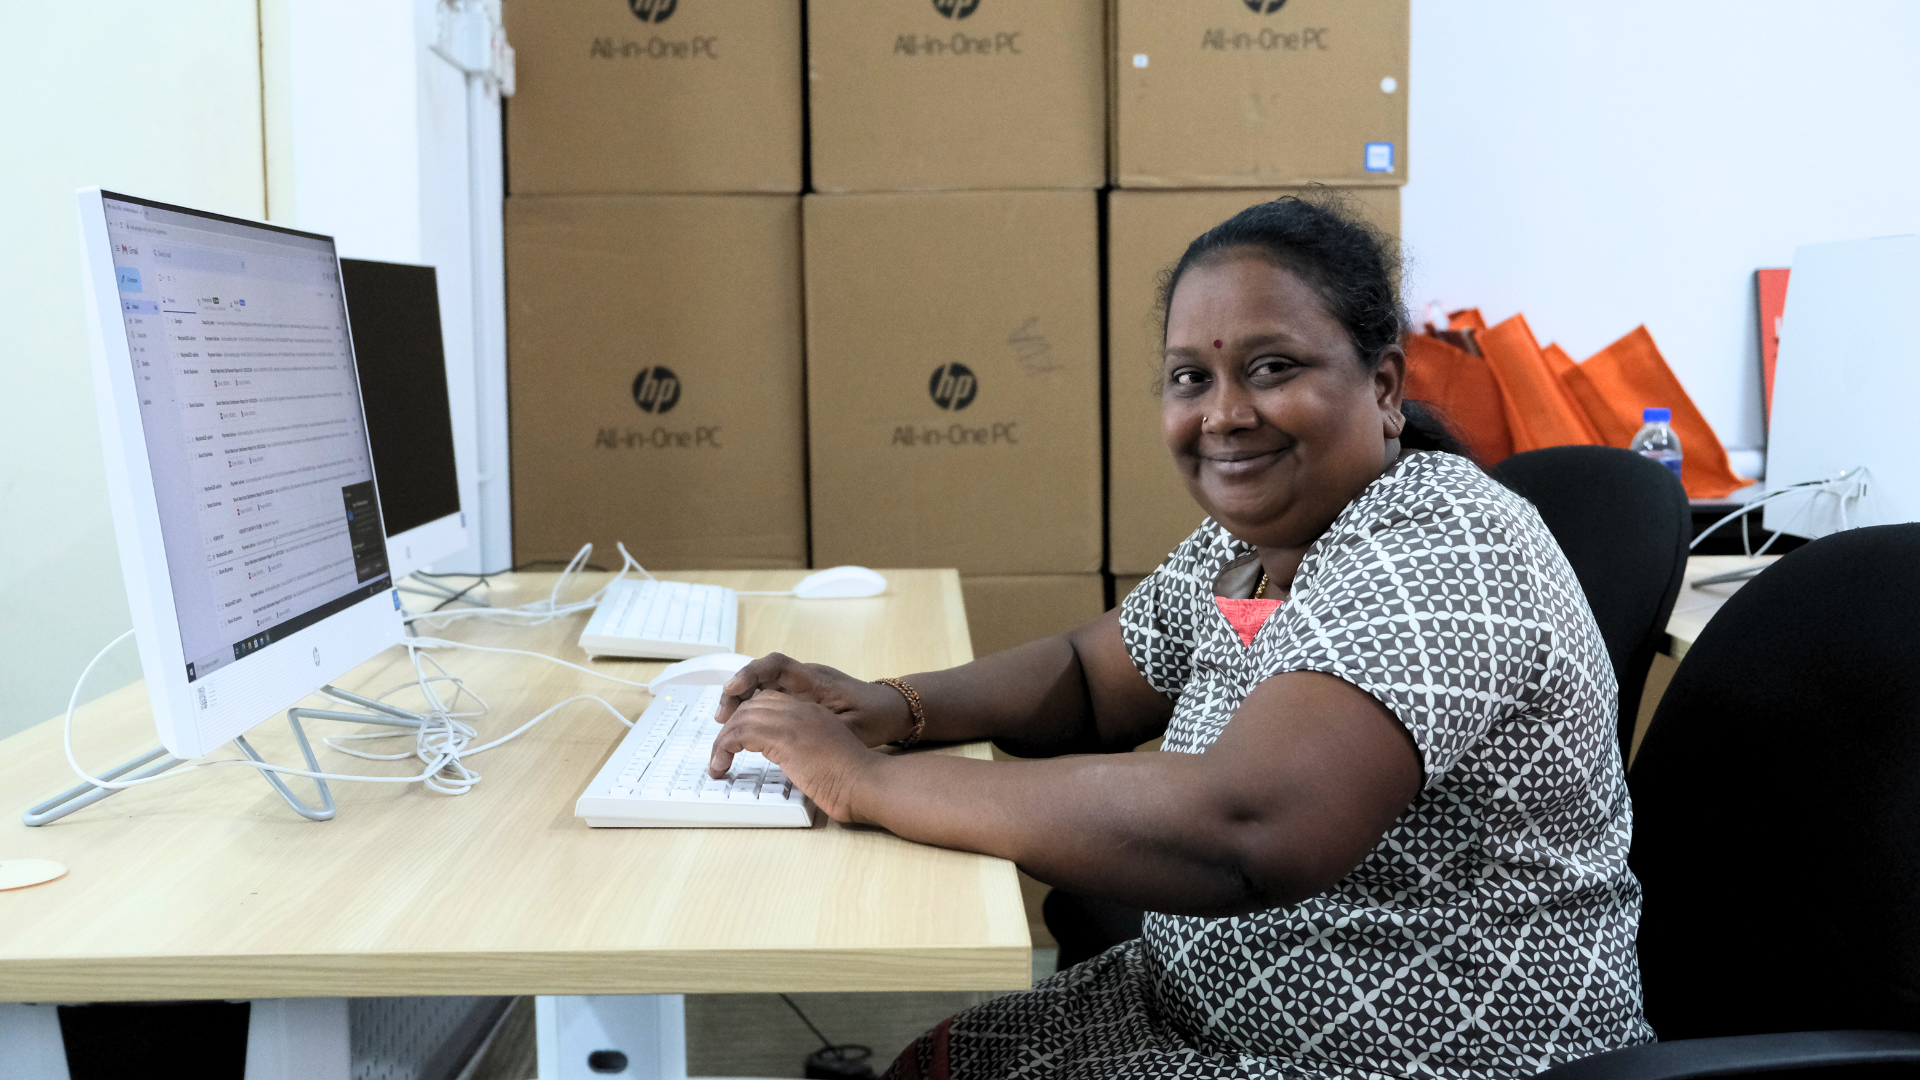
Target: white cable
{"points": [[441, 741], [441, 643], [541, 612], [1854, 490]]}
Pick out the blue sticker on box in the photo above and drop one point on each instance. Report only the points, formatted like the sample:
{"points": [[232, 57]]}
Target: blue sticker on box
{"points": [[1379, 157]]}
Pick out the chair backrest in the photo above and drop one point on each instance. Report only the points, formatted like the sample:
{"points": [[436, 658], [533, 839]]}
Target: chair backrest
{"points": [[1624, 523], [1776, 803]]}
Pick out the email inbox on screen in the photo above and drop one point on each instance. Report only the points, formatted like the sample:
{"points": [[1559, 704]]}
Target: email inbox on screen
{"points": [[252, 424]]}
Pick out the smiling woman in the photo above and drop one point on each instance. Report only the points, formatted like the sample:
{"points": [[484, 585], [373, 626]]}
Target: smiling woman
{"points": [[1387, 832]]}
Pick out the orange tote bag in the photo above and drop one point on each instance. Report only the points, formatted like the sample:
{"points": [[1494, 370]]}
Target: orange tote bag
{"points": [[1631, 375], [1461, 386], [1605, 419], [1540, 412]]}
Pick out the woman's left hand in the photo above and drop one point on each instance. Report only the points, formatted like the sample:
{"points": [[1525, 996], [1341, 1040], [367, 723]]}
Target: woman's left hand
{"points": [[814, 747]]}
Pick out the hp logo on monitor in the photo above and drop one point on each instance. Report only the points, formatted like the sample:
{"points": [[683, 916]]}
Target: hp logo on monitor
{"points": [[953, 386], [956, 9], [1258, 7], [656, 390], [657, 11]]}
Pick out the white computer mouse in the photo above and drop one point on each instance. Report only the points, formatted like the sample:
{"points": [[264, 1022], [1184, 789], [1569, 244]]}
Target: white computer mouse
{"points": [[840, 582], [710, 670]]}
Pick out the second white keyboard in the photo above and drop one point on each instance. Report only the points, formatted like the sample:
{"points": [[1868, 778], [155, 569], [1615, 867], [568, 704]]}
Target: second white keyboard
{"points": [[670, 620], [657, 776]]}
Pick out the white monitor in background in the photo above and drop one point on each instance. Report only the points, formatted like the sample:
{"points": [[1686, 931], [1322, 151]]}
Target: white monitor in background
{"points": [[242, 483], [1845, 387], [393, 310]]}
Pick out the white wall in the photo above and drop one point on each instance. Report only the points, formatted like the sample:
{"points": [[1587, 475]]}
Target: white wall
{"points": [[161, 100], [1597, 166]]}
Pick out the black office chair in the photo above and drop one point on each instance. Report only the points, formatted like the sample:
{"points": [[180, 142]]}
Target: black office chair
{"points": [[1776, 805], [1624, 524]]}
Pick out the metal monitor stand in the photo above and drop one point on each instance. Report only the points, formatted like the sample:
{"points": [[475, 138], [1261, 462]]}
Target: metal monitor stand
{"points": [[379, 712], [420, 586], [1741, 574]]}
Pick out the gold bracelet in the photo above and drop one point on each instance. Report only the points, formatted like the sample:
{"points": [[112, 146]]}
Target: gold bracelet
{"points": [[914, 710]]}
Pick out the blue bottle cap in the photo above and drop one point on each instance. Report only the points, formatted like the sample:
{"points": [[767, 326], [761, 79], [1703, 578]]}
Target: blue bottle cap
{"points": [[1656, 416]]}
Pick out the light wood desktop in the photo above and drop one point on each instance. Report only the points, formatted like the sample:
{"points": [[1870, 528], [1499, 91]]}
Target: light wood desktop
{"points": [[1692, 609], [208, 886]]}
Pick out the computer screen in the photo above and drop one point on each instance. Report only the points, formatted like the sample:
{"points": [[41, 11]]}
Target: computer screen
{"points": [[238, 450], [393, 310]]}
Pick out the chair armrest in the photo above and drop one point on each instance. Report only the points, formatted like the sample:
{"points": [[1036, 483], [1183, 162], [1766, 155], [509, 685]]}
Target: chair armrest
{"points": [[1740, 1054]]}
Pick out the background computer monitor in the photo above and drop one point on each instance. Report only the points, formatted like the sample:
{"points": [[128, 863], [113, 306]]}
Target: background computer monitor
{"points": [[394, 312], [244, 499], [1844, 387]]}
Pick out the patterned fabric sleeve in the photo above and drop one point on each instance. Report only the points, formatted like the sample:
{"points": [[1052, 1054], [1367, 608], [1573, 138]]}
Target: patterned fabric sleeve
{"points": [[1157, 617], [1437, 607]]}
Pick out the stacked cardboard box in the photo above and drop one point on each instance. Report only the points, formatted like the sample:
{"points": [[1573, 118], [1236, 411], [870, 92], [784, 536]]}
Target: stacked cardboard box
{"points": [[653, 282], [943, 95], [655, 378], [953, 311], [1259, 93]]}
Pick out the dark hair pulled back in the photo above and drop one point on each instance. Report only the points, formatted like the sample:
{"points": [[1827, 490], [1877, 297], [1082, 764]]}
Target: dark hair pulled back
{"points": [[1349, 263]]}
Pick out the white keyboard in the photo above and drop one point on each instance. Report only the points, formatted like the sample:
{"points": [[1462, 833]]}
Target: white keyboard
{"points": [[657, 776], [669, 620]]}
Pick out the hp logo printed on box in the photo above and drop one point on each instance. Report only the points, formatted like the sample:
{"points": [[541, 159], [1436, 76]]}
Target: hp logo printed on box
{"points": [[953, 386], [656, 390], [652, 11]]}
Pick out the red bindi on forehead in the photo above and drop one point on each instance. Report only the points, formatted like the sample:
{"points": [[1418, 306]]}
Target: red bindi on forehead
{"points": [[1216, 343]]}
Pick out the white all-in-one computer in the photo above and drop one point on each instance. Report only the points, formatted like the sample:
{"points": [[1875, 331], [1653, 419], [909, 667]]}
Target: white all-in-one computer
{"points": [[238, 465]]}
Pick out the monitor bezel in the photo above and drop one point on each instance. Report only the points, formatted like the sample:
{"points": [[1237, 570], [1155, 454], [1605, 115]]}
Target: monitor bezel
{"points": [[242, 694]]}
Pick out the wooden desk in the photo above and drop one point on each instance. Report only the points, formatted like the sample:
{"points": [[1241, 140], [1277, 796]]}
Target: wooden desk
{"points": [[1691, 611], [1693, 607], [207, 886]]}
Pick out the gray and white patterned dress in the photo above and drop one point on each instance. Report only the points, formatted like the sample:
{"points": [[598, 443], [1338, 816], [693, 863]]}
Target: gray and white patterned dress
{"points": [[1490, 933]]}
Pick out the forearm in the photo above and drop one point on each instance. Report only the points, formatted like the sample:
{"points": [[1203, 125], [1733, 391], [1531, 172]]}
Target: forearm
{"points": [[1031, 700], [1145, 829]]}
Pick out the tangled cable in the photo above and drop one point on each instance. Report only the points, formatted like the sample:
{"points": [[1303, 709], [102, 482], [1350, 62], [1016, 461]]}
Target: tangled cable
{"points": [[540, 612], [442, 742]]}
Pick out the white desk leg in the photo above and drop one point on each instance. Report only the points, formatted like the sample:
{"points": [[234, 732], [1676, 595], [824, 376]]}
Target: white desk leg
{"points": [[30, 1044], [298, 1039], [635, 1037]]}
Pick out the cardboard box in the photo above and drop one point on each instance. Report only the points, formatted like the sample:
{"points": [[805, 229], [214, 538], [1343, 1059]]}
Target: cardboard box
{"points": [[622, 97], [654, 379], [920, 95], [1149, 510], [953, 360], [1124, 584], [1006, 611], [1260, 93]]}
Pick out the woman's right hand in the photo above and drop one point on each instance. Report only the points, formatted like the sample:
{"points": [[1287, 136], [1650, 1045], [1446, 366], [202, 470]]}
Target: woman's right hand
{"points": [[875, 712]]}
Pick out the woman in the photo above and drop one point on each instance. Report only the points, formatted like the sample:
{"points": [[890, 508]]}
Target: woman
{"points": [[1388, 833]]}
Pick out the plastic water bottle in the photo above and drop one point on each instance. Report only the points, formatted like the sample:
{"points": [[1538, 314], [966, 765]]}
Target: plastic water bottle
{"points": [[1657, 440]]}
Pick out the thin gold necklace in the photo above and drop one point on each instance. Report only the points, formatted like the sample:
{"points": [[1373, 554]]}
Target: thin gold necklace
{"points": [[1260, 590]]}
